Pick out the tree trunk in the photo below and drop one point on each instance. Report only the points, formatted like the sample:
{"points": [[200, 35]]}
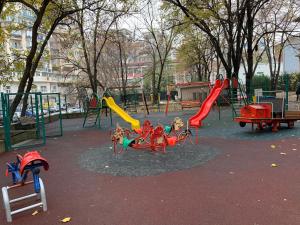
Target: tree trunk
{"points": [[161, 70], [26, 94], [154, 91], [122, 75], [2, 5], [250, 63], [198, 67], [29, 59], [155, 97]]}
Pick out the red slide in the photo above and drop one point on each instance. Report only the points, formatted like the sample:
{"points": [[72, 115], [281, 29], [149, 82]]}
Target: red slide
{"points": [[195, 121]]}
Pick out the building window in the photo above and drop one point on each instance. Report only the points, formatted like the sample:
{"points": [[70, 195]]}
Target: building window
{"points": [[197, 96], [43, 89], [28, 43], [53, 88], [7, 89]]}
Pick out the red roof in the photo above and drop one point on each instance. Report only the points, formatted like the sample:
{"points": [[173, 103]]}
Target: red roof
{"points": [[193, 84], [134, 75]]}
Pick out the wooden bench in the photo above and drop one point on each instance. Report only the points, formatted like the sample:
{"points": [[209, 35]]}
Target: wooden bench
{"points": [[190, 104], [292, 115]]}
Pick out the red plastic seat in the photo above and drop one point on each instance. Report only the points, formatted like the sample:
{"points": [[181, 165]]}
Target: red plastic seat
{"points": [[31, 157]]}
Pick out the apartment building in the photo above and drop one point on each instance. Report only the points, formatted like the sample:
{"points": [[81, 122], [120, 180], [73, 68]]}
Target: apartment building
{"points": [[48, 77]]}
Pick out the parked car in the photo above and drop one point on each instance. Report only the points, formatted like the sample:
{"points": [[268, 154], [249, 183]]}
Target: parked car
{"points": [[74, 110], [54, 109]]}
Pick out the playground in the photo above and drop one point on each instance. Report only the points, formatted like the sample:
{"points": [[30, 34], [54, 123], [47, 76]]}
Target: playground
{"points": [[202, 166], [226, 178]]}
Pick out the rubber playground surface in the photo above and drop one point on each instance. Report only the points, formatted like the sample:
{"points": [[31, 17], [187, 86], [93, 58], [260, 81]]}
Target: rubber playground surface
{"points": [[225, 179]]}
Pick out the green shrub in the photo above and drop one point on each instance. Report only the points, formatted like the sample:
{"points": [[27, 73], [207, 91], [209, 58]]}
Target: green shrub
{"points": [[260, 82]]}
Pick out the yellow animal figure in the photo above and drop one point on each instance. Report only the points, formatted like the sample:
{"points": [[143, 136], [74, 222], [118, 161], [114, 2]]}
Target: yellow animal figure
{"points": [[118, 134], [177, 124]]}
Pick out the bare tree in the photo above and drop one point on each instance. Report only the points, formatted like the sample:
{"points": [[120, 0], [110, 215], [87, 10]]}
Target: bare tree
{"points": [[279, 26], [235, 19], [95, 29], [48, 15], [196, 54], [159, 39]]}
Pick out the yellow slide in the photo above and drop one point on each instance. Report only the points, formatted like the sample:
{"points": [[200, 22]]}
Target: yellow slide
{"points": [[135, 124]]}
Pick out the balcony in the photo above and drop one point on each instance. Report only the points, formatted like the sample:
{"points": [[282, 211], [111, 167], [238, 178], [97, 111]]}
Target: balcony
{"points": [[28, 33], [16, 33]]}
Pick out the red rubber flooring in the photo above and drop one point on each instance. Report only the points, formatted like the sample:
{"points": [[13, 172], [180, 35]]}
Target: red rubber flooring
{"points": [[237, 187]]}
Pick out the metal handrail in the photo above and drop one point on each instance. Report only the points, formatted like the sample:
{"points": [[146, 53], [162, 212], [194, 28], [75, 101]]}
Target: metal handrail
{"points": [[282, 105]]}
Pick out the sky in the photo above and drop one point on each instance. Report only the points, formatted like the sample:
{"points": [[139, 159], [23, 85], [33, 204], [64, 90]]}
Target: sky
{"points": [[137, 20]]}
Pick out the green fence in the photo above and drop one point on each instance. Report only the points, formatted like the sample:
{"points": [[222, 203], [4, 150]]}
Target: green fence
{"points": [[42, 119], [53, 114], [27, 131]]}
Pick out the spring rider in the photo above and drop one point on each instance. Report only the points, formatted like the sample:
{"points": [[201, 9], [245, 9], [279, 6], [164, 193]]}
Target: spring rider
{"points": [[29, 163]]}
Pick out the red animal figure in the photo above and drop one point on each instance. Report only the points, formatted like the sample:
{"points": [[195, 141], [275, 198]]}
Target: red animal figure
{"points": [[155, 139]]}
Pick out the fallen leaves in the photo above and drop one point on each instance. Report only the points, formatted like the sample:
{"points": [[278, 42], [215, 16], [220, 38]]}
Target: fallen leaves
{"points": [[66, 220]]}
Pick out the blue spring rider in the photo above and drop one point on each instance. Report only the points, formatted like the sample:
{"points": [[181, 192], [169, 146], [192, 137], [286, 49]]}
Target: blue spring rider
{"points": [[29, 163]]}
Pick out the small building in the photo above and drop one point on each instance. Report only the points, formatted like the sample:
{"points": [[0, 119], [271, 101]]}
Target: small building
{"points": [[193, 91]]}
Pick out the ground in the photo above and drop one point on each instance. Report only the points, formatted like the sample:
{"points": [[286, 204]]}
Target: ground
{"points": [[226, 179]]}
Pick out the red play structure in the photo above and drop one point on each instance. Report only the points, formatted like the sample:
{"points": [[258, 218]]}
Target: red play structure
{"points": [[149, 137], [196, 120], [263, 115]]}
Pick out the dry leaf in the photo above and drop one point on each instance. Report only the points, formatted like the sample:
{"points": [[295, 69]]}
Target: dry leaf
{"points": [[66, 220]]}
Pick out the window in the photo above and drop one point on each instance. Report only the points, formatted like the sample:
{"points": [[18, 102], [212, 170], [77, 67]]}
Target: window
{"points": [[53, 88], [7, 89], [16, 44], [28, 43], [16, 33], [29, 33], [43, 89], [196, 96]]}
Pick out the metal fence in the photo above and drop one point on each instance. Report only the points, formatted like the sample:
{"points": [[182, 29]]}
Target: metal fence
{"points": [[23, 131], [41, 119]]}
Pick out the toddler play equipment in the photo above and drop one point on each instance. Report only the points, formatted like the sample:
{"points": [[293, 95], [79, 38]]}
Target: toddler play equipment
{"points": [[135, 124], [92, 115], [268, 111], [149, 137], [29, 163], [196, 120]]}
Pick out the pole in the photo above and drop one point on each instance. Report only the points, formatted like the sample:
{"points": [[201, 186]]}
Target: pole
{"points": [[37, 116], [158, 103], [145, 102], [60, 115], [43, 119], [31, 104], [49, 118], [286, 78], [167, 106]]}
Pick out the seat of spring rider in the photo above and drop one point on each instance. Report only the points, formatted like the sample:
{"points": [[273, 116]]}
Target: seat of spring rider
{"points": [[31, 158]]}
